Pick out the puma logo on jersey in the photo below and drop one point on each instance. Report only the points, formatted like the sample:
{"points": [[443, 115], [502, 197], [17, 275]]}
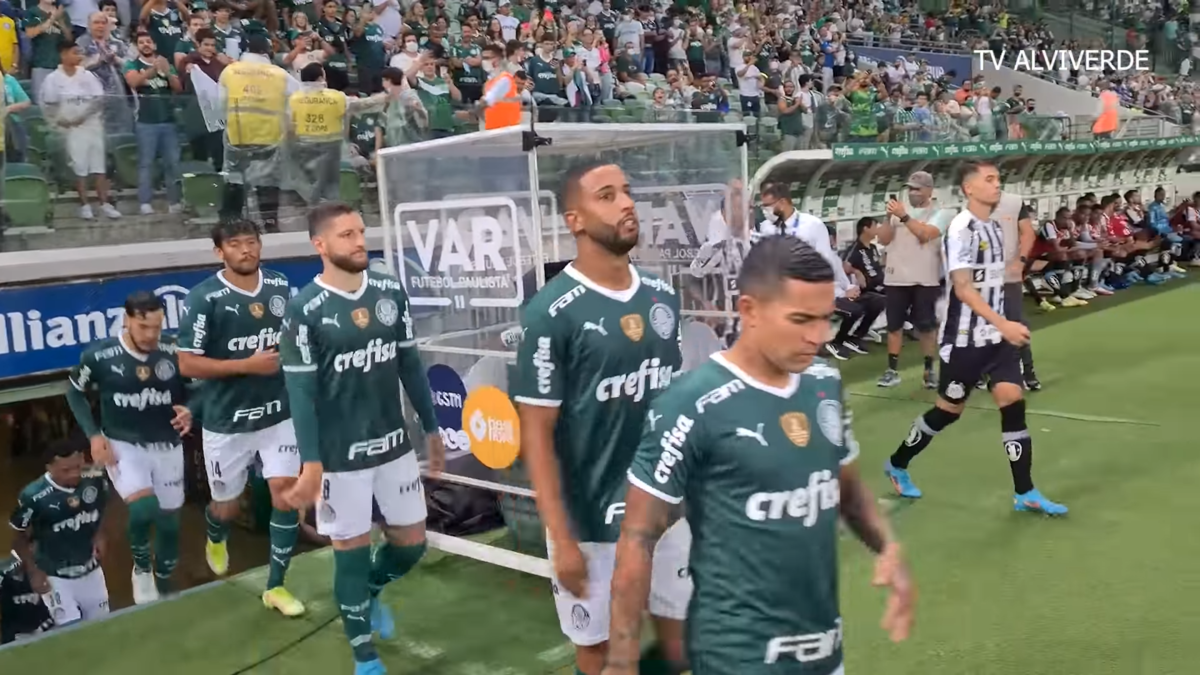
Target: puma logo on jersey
{"points": [[326, 321], [120, 370], [757, 434], [805, 503], [236, 309], [651, 376], [653, 418], [597, 327]]}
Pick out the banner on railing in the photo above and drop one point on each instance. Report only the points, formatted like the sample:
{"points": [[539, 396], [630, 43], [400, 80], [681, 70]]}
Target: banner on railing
{"points": [[938, 64], [894, 151]]}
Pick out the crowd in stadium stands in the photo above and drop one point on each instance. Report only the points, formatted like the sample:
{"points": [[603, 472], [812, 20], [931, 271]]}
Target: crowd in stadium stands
{"points": [[788, 68]]}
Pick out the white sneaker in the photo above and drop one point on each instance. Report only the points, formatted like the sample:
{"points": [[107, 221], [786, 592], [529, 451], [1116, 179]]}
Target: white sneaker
{"points": [[110, 211], [1082, 294], [146, 210], [144, 589], [85, 212], [175, 208]]}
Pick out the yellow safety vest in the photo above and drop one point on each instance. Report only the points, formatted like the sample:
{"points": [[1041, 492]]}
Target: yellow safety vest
{"points": [[3, 116], [318, 116], [255, 104]]}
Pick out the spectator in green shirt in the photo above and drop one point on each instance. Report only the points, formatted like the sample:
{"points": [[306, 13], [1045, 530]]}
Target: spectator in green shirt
{"points": [[862, 93], [332, 32], [370, 54], [437, 93], [228, 33], [45, 26], [164, 19], [153, 80]]}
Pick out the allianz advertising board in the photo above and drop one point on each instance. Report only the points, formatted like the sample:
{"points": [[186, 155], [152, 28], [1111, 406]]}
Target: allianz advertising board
{"points": [[45, 328]]}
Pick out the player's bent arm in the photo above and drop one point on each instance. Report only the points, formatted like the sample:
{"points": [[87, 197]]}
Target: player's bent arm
{"points": [[858, 510], [1026, 237], [200, 367], [81, 409], [298, 356], [537, 451], [647, 517], [416, 385], [22, 544], [964, 288]]}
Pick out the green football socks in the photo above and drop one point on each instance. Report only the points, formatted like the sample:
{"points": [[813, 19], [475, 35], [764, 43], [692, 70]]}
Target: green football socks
{"points": [[351, 589], [392, 562], [285, 527], [217, 530], [166, 549], [142, 514]]}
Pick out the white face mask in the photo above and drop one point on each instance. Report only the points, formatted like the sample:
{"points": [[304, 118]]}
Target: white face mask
{"points": [[410, 47], [489, 67], [772, 217]]}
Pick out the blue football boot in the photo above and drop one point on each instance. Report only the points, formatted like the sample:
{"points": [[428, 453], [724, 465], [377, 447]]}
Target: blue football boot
{"points": [[382, 621], [901, 481], [1035, 502]]}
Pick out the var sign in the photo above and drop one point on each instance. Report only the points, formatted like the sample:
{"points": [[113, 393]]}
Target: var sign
{"points": [[463, 252]]}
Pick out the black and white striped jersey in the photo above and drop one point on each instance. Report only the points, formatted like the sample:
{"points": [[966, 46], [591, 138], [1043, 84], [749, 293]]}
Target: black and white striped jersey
{"points": [[975, 245]]}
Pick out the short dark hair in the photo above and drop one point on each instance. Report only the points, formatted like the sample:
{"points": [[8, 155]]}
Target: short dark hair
{"points": [[862, 224], [66, 45], [205, 34], [568, 191], [512, 47], [259, 44], [1129, 194], [393, 75], [777, 191], [141, 303], [971, 167], [776, 259], [225, 230], [1109, 200], [64, 447], [312, 72], [320, 215]]}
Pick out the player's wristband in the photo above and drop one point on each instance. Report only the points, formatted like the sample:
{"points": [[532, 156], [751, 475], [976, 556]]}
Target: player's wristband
{"points": [[1024, 259], [905, 218]]}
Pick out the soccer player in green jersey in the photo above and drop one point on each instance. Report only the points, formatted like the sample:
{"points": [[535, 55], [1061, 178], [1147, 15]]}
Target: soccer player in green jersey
{"points": [[58, 538], [600, 341], [142, 416], [758, 447], [229, 334], [348, 345]]}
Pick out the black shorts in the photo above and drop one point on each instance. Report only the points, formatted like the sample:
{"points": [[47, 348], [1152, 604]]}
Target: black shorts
{"points": [[917, 304], [967, 366]]}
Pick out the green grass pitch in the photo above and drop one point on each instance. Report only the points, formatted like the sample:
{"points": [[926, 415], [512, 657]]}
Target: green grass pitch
{"points": [[1108, 590]]}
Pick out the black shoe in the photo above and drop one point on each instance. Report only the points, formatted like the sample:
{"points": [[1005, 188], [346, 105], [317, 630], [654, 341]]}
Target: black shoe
{"points": [[855, 345], [1032, 383], [836, 351]]}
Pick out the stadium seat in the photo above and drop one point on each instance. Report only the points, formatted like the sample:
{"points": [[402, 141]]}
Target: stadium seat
{"points": [[27, 196], [203, 188], [125, 163], [350, 190]]}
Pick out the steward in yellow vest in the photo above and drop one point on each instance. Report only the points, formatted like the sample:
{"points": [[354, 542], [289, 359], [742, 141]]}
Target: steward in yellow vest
{"points": [[254, 94], [319, 121]]}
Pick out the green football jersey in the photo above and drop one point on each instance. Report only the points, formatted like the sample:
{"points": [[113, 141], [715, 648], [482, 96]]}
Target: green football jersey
{"points": [[600, 356], [346, 350], [138, 392], [757, 469], [221, 321], [63, 522]]}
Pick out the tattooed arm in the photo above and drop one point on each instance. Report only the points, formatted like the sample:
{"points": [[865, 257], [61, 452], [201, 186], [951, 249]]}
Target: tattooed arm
{"points": [[646, 519], [859, 512]]}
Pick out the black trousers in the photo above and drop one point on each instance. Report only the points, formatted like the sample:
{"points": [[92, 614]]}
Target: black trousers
{"points": [[858, 315]]}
